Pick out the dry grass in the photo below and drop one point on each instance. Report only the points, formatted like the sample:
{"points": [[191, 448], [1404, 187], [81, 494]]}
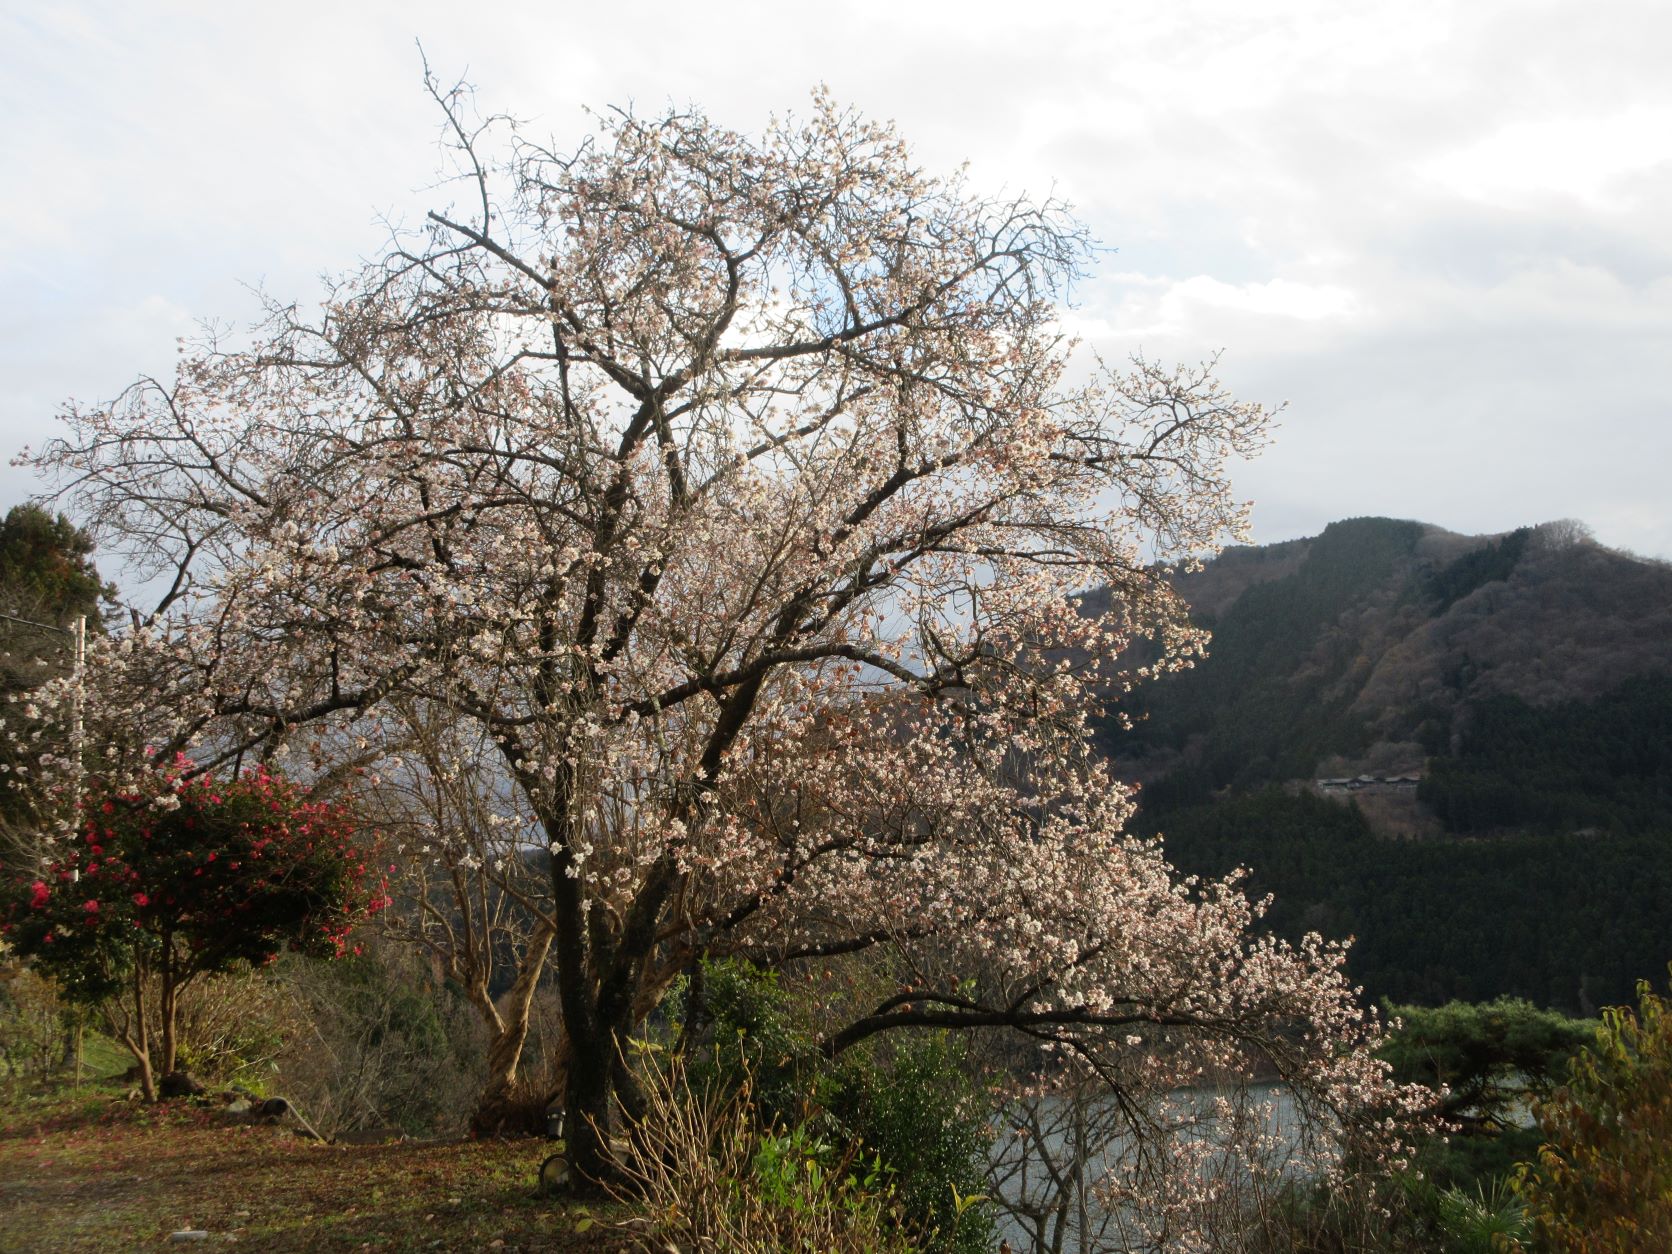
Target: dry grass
{"points": [[709, 1180]]}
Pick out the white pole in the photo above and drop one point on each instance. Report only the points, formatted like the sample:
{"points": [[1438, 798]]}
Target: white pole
{"points": [[77, 732]]}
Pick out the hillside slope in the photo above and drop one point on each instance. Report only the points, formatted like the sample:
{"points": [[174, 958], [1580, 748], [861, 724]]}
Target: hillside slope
{"points": [[1525, 679], [1371, 648]]}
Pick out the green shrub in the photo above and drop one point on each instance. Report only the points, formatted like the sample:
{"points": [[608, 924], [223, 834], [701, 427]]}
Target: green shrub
{"points": [[387, 1046], [1486, 1221], [905, 1106], [919, 1111], [743, 1018], [32, 1026]]}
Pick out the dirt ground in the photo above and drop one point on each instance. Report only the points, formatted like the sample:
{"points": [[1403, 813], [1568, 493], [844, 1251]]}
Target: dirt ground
{"points": [[89, 1171]]}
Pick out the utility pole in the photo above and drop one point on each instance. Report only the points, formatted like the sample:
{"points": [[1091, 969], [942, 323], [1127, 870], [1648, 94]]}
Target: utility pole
{"points": [[77, 732]]}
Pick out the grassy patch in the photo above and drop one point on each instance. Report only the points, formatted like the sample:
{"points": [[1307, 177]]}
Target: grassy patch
{"points": [[103, 1058], [84, 1170]]}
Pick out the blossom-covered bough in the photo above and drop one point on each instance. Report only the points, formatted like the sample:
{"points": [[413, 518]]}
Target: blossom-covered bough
{"points": [[737, 491]]}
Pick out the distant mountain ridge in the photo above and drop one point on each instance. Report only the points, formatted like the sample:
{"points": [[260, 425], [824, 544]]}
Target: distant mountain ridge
{"points": [[1370, 647], [1525, 679]]}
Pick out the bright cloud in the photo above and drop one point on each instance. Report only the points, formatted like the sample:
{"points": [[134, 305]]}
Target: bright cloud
{"points": [[1437, 229]]}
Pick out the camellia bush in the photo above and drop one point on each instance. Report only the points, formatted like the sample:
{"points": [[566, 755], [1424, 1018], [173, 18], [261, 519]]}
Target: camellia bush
{"points": [[191, 877]]}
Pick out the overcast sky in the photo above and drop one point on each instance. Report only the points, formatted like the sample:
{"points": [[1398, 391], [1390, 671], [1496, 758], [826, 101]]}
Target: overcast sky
{"points": [[1442, 232]]}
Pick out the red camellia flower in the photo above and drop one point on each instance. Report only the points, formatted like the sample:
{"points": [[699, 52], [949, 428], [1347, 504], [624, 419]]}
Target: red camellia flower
{"points": [[92, 907], [140, 899], [38, 895]]}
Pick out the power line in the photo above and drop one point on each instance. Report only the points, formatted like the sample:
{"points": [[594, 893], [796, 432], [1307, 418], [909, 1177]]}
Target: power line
{"points": [[29, 622]]}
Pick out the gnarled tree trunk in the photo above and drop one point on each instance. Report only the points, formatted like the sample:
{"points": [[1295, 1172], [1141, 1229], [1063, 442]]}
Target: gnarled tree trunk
{"points": [[506, 1107], [127, 1024]]}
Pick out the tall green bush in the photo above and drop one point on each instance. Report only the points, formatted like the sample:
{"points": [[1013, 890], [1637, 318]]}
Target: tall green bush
{"points": [[906, 1105], [917, 1108]]}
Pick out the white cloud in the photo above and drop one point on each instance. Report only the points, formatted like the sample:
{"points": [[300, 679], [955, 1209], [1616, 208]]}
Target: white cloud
{"points": [[1438, 227], [1537, 161], [1185, 303]]}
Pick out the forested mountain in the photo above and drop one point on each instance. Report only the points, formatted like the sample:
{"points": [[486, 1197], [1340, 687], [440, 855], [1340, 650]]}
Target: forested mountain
{"points": [[1524, 679]]}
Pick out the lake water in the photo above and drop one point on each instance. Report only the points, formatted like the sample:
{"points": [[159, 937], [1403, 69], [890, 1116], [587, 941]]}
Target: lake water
{"points": [[1051, 1154]]}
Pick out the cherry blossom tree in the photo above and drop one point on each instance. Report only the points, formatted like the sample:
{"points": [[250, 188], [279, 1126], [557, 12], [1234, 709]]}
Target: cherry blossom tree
{"points": [[739, 492]]}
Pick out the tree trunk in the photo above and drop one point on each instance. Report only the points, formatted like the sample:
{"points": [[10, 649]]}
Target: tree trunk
{"points": [[587, 1087], [170, 1002], [501, 1110], [133, 1034], [147, 1079], [1082, 1218], [588, 1090], [598, 981]]}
